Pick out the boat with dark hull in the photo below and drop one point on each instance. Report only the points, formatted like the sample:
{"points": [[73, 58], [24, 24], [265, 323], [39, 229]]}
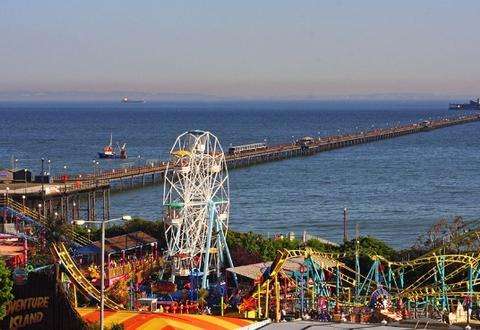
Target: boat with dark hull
{"points": [[127, 100], [110, 153]]}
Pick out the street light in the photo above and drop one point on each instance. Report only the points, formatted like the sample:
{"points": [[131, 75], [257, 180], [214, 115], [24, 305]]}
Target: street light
{"points": [[25, 177], [81, 222], [93, 162], [7, 189], [43, 178], [65, 177]]}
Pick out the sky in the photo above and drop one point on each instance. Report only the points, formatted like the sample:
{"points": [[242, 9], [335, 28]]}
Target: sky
{"points": [[240, 49]]}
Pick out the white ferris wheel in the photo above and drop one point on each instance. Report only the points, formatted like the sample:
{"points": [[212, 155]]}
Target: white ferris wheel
{"points": [[196, 205]]}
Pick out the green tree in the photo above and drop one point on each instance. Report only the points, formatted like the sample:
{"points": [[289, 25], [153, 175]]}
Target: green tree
{"points": [[6, 285], [58, 230]]}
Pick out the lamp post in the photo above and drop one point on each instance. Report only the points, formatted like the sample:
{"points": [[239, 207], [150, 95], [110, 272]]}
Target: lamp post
{"points": [[43, 174], [102, 259], [7, 189], [65, 177], [25, 177], [6, 204], [23, 202], [95, 170], [73, 211]]}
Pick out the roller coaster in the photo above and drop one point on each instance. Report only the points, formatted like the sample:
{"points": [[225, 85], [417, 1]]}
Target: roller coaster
{"points": [[58, 250], [445, 275], [438, 279]]}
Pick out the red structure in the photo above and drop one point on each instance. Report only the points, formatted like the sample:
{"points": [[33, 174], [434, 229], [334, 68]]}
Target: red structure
{"points": [[14, 250]]}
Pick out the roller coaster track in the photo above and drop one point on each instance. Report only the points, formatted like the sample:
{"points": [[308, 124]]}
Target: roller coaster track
{"points": [[452, 285], [432, 259], [457, 263], [61, 252], [324, 260], [40, 219]]}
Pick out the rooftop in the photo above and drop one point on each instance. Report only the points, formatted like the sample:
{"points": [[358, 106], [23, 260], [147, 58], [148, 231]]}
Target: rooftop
{"points": [[124, 242]]}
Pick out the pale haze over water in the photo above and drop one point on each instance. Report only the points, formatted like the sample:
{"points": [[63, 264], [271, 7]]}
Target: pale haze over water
{"points": [[243, 49]]}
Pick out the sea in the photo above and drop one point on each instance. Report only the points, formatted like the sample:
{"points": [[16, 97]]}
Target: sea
{"points": [[393, 189]]}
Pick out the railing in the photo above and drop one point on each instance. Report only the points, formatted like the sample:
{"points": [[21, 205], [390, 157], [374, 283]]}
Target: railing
{"points": [[115, 173], [40, 218], [77, 276], [159, 166], [135, 267]]}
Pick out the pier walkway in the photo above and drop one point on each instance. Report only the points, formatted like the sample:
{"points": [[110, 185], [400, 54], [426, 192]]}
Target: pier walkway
{"points": [[282, 151], [124, 178]]}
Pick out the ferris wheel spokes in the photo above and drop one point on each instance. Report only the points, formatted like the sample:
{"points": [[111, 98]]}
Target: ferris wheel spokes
{"points": [[197, 203]]}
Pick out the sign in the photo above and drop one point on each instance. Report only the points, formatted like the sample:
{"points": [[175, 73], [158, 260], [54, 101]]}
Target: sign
{"points": [[27, 311], [39, 303]]}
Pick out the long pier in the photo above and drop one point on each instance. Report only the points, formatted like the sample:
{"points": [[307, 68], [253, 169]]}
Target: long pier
{"points": [[318, 145], [281, 151], [92, 188]]}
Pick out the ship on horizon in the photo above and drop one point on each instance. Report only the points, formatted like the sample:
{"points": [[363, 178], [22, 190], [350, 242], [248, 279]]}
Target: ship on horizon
{"points": [[472, 105], [127, 100]]}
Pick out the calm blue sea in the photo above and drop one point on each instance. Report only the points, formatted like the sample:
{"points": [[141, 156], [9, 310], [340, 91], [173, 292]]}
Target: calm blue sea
{"points": [[393, 189]]}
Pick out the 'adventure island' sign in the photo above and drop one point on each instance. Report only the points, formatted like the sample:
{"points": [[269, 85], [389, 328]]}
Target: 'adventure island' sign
{"points": [[27, 311], [39, 304]]}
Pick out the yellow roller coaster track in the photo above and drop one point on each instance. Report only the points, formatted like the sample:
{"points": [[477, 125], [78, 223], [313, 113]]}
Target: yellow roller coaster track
{"points": [[420, 288], [324, 260], [61, 252], [471, 258], [41, 219]]}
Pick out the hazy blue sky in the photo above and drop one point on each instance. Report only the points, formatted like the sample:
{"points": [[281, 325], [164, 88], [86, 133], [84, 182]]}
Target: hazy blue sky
{"points": [[241, 48]]}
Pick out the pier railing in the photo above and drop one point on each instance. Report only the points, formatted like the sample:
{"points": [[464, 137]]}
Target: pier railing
{"points": [[280, 151], [36, 216], [115, 173]]}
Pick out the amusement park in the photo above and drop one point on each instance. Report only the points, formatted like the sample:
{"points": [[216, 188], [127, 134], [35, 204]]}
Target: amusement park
{"points": [[66, 267]]}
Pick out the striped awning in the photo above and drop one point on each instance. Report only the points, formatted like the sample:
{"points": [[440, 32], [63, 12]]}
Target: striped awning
{"points": [[150, 321]]}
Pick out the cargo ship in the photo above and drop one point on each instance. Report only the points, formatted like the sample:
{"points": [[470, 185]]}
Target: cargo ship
{"points": [[472, 105], [127, 100], [110, 153]]}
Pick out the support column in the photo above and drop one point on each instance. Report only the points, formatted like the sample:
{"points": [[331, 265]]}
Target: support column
{"points": [[277, 299], [267, 296], [94, 206], [259, 302]]}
